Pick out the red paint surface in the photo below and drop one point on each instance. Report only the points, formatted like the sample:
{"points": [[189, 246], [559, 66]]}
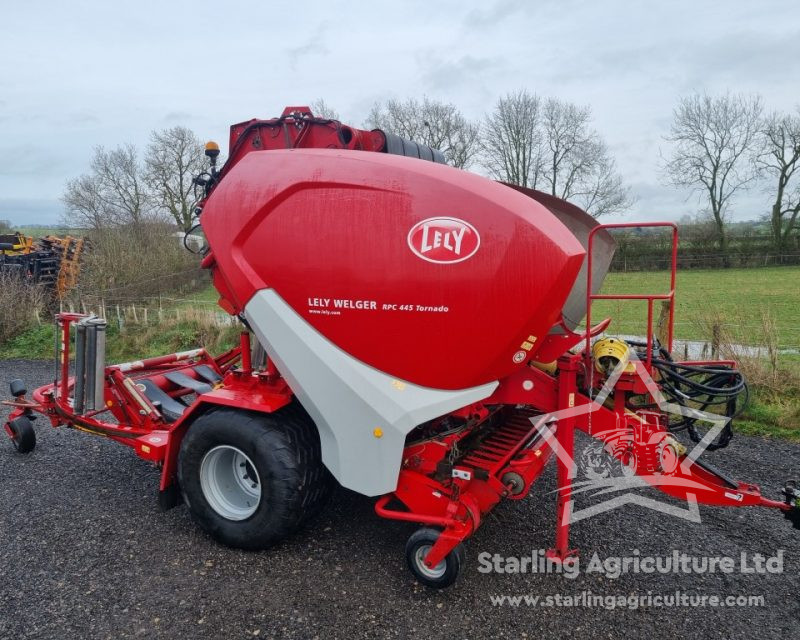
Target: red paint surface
{"points": [[333, 232]]}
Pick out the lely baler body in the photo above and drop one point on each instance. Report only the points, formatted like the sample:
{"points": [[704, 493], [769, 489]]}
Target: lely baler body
{"points": [[375, 333], [421, 331]]}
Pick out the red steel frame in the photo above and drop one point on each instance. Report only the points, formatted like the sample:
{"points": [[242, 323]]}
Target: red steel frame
{"points": [[629, 296], [139, 424]]}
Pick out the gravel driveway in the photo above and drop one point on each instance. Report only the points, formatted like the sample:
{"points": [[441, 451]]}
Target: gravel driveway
{"points": [[86, 553]]}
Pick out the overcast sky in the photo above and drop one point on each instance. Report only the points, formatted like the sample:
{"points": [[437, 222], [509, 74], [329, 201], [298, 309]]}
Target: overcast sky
{"points": [[78, 74]]}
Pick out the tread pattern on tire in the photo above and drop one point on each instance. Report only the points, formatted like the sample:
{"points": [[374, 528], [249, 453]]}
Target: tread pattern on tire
{"points": [[291, 442], [24, 434]]}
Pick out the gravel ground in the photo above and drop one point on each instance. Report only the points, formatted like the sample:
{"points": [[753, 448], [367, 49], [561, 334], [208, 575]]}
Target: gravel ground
{"points": [[86, 553]]}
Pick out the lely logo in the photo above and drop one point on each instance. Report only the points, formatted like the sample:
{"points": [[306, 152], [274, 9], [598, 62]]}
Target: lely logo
{"points": [[444, 240]]}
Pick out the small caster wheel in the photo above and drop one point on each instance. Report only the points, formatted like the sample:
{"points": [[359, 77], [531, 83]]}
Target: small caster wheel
{"points": [[22, 434], [442, 575]]}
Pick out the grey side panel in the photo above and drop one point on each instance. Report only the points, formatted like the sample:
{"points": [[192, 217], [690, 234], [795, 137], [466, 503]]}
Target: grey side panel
{"points": [[348, 399], [603, 247], [580, 224]]}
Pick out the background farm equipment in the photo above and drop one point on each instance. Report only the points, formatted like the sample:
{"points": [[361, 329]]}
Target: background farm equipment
{"points": [[50, 261], [423, 340]]}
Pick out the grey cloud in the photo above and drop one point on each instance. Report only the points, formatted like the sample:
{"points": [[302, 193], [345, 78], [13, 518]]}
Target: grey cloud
{"points": [[492, 15], [312, 46], [83, 117], [177, 117], [688, 63], [26, 211], [442, 74], [629, 61], [309, 48], [24, 160], [745, 54]]}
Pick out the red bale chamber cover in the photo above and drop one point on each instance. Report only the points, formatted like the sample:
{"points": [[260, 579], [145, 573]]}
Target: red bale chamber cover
{"points": [[431, 274]]}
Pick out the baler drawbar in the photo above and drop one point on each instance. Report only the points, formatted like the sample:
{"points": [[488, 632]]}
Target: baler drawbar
{"points": [[411, 331]]}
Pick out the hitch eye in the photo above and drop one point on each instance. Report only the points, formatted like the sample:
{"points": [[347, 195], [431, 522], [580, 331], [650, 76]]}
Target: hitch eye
{"points": [[17, 388]]}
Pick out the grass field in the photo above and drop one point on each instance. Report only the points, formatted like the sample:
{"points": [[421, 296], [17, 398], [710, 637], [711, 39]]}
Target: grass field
{"points": [[38, 232], [193, 326], [738, 296]]}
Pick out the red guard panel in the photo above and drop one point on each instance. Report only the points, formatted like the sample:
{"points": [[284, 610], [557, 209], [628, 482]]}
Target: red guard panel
{"points": [[432, 274]]}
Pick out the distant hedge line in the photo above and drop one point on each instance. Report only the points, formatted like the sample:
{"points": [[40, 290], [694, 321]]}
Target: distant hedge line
{"points": [[652, 252]]}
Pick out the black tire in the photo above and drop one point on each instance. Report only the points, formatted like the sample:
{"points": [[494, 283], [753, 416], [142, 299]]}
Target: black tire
{"points": [[445, 573], [284, 450], [23, 436]]}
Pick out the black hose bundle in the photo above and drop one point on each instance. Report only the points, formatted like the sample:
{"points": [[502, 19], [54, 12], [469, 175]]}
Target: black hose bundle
{"points": [[698, 388]]}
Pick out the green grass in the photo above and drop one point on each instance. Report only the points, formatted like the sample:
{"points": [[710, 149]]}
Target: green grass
{"points": [[771, 417], [37, 343], [737, 299], [38, 232], [737, 295], [206, 297], [133, 342]]}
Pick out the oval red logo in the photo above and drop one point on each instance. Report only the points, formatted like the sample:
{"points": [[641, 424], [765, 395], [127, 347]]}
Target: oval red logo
{"points": [[444, 240]]}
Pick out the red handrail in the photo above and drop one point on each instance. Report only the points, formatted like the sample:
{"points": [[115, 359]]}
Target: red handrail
{"points": [[629, 296]]}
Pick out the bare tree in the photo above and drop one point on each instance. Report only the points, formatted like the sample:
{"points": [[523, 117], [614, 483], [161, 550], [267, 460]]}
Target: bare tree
{"points": [[174, 157], [113, 193], [602, 190], [437, 124], [713, 140], [566, 139], [512, 140], [83, 204], [549, 145], [321, 109], [780, 159], [575, 162], [5, 226]]}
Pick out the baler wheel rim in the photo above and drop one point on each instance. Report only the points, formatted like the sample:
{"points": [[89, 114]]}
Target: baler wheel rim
{"points": [[443, 574], [230, 482], [434, 573]]}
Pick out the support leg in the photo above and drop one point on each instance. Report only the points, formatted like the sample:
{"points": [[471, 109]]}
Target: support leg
{"points": [[565, 436]]}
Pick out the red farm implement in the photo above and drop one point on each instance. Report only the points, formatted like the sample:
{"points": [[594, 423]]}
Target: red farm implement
{"points": [[423, 341]]}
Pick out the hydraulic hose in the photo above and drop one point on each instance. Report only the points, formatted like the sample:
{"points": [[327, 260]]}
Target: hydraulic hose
{"points": [[699, 387]]}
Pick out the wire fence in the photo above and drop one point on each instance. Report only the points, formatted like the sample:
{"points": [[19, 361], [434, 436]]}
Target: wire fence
{"points": [[662, 260], [699, 248], [142, 314], [116, 306]]}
